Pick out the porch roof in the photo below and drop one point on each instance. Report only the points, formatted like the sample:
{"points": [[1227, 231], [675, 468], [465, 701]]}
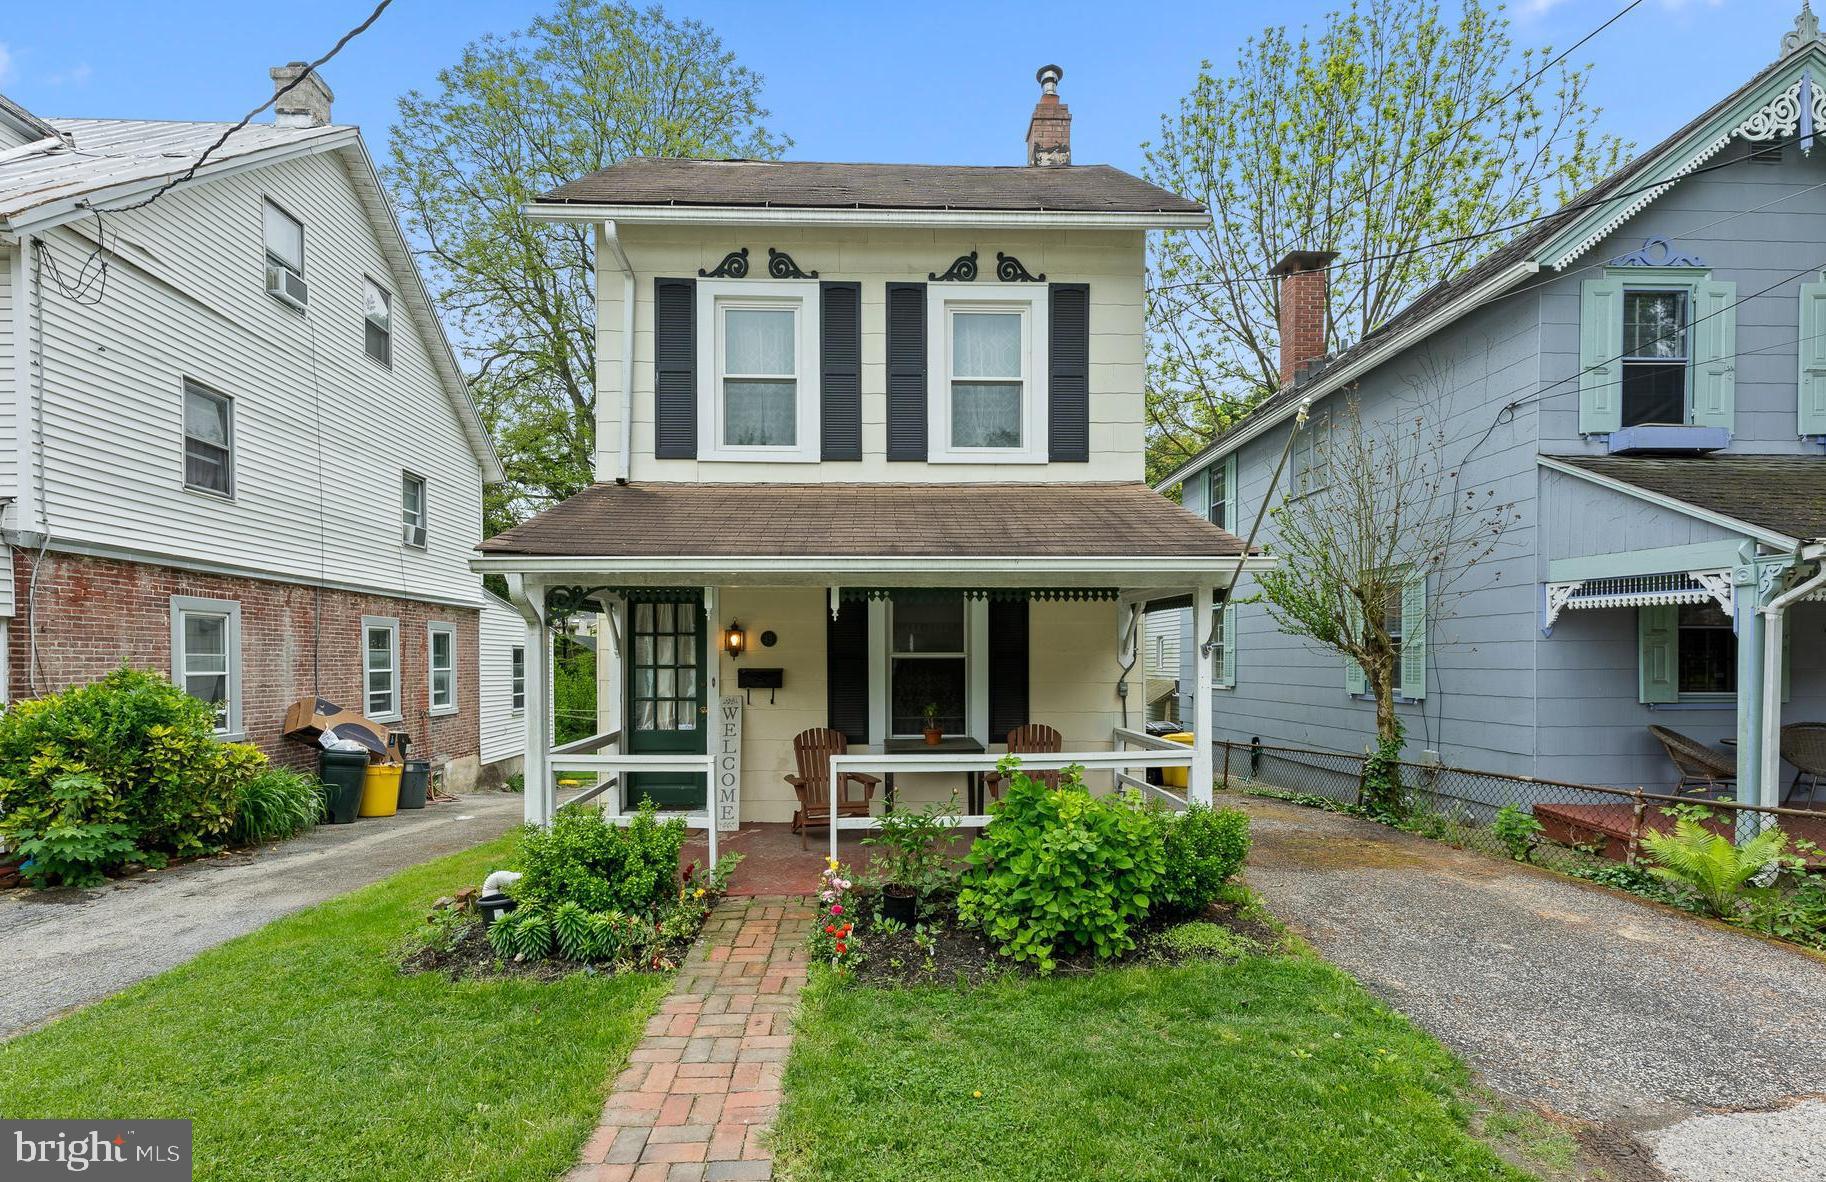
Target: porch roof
{"points": [[1102, 521], [1780, 494]]}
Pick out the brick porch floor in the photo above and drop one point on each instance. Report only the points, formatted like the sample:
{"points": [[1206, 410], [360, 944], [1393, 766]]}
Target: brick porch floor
{"points": [[703, 1086]]}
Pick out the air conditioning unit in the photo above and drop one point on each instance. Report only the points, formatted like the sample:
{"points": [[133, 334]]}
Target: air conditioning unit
{"points": [[288, 286], [414, 535]]}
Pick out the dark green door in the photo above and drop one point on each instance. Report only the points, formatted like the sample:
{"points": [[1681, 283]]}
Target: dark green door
{"points": [[665, 694]]}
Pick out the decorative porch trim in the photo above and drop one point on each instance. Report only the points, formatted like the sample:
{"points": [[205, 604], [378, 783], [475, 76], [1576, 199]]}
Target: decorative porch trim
{"points": [[1638, 591], [962, 270], [733, 266], [1009, 270], [1000, 594]]}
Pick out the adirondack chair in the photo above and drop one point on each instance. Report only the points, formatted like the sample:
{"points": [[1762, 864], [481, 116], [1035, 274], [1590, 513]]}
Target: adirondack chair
{"points": [[812, 751], [1031, 739], [1703, 770], [1804, 746]]}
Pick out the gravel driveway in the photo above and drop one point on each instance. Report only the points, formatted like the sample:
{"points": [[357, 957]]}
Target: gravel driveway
{"points": [[1642, 1022], [67, 948]]}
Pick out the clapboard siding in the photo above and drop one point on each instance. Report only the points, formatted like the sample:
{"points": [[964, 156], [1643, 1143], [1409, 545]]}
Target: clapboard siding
{"points": [[322, 432], [503, 728]]}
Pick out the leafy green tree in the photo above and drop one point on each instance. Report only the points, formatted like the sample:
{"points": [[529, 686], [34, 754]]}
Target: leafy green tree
{"points": [[1394, 126], [582, 87]]}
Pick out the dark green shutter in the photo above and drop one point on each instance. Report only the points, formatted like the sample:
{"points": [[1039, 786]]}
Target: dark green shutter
{"points": [[840, 369], [1007, 667], [907, 371], [1068, 377], [846, 671], [675, 369]]}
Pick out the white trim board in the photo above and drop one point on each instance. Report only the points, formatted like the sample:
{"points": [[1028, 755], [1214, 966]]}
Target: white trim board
{"points": [[727, 215]]}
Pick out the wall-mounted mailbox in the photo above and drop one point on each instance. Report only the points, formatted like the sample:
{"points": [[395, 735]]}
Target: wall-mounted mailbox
{"points": [[754, 679]]}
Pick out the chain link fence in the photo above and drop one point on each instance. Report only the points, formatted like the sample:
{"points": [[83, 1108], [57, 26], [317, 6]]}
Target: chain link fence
{"points": [[1561, 825]]}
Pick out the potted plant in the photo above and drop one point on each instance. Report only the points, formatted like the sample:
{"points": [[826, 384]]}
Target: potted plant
{"points": [[912, 851], [933, 733]]}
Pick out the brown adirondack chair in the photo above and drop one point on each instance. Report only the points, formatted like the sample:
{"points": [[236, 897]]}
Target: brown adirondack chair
{"points": [[812, 751], [1032, 739]]}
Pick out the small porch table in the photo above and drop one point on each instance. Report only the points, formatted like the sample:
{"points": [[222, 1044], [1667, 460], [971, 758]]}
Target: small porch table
{"points": [[949, 745]]}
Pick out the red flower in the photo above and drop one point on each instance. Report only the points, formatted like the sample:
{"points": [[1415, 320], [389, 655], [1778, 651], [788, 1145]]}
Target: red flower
{"points": [[829, 930], [845, 931], [842, 948]]}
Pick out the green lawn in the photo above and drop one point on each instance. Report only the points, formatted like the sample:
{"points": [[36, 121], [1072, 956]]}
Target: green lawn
{"points": [[302, 1053], [1266, 1068]]}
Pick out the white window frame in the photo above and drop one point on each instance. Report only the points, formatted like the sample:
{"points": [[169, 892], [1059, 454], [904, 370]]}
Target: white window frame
{"points": [[1032, 300], [391, 625], [185, 386], [976, 669], [386, 298], [713, 296], [516, 679], [407, 522], [266, 250], [230, 611], [433, 630]]}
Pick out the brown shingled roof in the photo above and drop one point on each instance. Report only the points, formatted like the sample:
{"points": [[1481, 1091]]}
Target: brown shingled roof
{"points": [[1785, 494], [1091, 520], [805, 184]]}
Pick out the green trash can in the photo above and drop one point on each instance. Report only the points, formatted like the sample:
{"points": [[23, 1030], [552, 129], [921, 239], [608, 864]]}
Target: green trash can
{"points": [[342, 773], [414, 783]]}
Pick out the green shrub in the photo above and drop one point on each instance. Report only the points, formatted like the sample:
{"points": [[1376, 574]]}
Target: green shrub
{"points": [[600, 866], [1518, 830], [125, 768], [1202, 939], [275, 804], [1203, 847], [1709, 865], [1061, 871]]}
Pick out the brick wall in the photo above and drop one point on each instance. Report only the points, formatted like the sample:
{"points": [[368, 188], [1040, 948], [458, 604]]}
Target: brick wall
{"points": [[94, 614]]}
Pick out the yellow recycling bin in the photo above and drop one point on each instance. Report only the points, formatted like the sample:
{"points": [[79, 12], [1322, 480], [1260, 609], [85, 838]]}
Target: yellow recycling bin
{"points": [[380, 790], [1175, 777]]}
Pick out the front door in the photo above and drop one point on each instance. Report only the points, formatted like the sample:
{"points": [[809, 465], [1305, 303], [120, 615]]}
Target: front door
{"points": [[665, 696]]}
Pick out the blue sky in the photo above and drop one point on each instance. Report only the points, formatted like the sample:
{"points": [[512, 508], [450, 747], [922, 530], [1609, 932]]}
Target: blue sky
{"points": [[847, 81]]}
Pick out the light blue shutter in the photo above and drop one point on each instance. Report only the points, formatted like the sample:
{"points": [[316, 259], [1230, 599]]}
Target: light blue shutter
{"points": [[1714, 353], [1600, 342], [1226, 661], [1812, 409], [1232, 518], [1658, 652], [1414, 636], [1354, 680]]}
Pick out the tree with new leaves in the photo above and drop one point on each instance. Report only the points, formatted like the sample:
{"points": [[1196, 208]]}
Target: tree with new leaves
{"points": [[582, 87], [1392, 127], [1376, 515]]}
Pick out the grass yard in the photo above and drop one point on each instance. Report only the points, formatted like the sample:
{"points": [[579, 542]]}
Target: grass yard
{"points": [[300, 1051], [1263, 1068]]}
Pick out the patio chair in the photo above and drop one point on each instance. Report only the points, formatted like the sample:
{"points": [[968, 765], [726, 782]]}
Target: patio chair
{"points": [[1804, 746], [812, 751], [1031, 739], [1703, 770]]}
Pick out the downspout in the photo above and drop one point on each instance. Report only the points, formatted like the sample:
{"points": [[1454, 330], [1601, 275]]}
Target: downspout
{"points": [[1769, 774], [611, 238]]}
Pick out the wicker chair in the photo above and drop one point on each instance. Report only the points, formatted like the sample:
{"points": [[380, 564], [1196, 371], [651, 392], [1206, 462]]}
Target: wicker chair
{"points": [[1031, 739], [1704, 770], [812, 751], [1804, 746]]}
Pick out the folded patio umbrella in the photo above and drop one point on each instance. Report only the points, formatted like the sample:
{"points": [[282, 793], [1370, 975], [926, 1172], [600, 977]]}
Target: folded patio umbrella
{"points": [[308, 718]]}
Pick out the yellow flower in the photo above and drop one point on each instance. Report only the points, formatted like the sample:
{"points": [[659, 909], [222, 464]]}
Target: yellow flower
{"points": [[977, 1095], [831, 862], [700, 892]]}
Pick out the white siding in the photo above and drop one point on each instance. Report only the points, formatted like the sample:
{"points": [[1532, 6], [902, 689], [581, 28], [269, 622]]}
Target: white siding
{"points": [[503, 730], [1111, 261], [322, 432]]}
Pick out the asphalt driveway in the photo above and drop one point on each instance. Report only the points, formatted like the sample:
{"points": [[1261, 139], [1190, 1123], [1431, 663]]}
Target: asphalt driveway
{"points": [[1650, 1028], [67, 948]]}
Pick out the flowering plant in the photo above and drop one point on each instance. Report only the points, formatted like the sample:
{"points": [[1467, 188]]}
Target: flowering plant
{"points": [[834, 937]]}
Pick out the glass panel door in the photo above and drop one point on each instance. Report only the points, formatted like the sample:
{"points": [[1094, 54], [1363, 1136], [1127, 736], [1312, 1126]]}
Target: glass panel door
{"points": [[666, 708]]}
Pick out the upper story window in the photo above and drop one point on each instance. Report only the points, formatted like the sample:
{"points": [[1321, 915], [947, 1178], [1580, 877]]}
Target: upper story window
{"points": [[209, 440], [1655, 356], [377, 317], [987, 397], [413, 514], [760, 357], [284, 240], [1221, 511], [1309, 467]]}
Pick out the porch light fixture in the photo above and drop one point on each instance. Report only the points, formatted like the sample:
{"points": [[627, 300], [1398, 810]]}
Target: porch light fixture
{"points": [[735, 640]]}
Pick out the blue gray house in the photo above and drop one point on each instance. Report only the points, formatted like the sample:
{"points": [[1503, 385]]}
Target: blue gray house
{"points": [[1643, 375]]}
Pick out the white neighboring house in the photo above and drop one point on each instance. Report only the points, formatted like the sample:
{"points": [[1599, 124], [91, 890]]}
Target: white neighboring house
{"points": [[235, 445]]}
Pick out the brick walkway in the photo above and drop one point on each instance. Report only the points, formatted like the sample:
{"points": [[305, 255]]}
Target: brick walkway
{"points": [[702, 1088]]}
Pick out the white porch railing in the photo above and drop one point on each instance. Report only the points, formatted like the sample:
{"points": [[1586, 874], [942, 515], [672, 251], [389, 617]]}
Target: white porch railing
{"points": [[608, 770], [1150, 752]]}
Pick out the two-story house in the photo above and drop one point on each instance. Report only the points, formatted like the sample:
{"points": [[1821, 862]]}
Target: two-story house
{"points": [[870, 458], [1642, 375], [235, 445]]}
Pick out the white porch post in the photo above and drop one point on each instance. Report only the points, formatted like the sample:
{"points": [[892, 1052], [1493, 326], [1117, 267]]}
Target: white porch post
{"points": [[541, 791], [1198, 788], [1769, 777]]}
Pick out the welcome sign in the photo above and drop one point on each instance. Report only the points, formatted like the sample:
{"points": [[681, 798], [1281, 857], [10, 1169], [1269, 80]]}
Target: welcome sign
{"points": [[125, 1150], [727, 745]]}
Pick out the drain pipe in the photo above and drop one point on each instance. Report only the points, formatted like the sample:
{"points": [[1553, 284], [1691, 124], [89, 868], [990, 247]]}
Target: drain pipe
{"points": [[611, 238], [1774, 616]]}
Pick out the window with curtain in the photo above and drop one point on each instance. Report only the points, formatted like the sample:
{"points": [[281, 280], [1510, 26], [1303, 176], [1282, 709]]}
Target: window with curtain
{"points": [[1654, 357], [988, 377], [443, 668], [377, 319], [208, 440], [760, 375], [927, 664], [284, 239]]}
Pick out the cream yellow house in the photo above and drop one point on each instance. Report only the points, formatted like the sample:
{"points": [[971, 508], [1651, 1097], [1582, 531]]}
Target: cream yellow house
{"points": [[870, 460]]}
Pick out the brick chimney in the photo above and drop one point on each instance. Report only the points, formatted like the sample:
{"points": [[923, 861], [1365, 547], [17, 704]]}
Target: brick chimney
{"points": [[1049, 132], [306, 104], [1303, 312]]}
